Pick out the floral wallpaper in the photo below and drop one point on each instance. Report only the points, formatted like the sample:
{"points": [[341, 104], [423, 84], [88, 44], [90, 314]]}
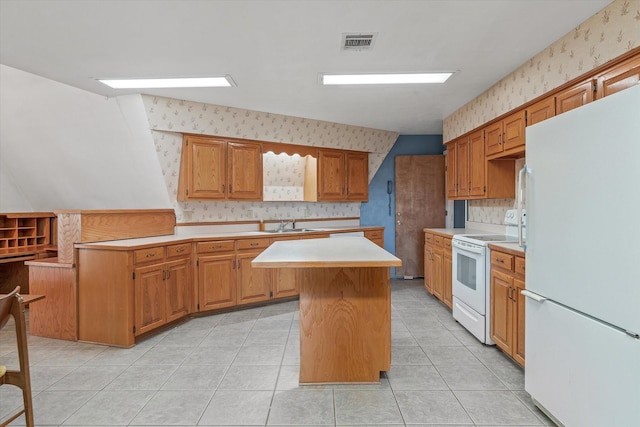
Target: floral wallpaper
{"points": [[605, 36], [283, 176], [168, 118]]}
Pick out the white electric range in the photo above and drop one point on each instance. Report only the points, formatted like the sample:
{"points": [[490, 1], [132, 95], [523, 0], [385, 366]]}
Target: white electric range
{"points": [[471, 282]]}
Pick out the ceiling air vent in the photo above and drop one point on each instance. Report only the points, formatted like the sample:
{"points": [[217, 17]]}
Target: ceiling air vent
{"points": [[358, 41]]}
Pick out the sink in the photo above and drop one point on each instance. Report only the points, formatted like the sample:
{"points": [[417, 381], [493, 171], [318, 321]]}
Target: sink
{"points": [[289, 230]]}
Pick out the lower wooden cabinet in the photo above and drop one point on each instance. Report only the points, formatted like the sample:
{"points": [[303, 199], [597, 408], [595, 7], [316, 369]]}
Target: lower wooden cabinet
{"points": [[507, 304], [216, 281], [254, 284], [438, 264]]}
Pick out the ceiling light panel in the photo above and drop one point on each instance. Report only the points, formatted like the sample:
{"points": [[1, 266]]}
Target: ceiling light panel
{"points": [[223, 81], [384, 79]]}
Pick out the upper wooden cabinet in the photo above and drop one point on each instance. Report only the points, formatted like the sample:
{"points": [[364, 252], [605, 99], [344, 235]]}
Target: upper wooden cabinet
{"points": [[620, 77], [540, 111], [471, 176], [343, 175], [506, 137], [217, 169], [575, 96]]}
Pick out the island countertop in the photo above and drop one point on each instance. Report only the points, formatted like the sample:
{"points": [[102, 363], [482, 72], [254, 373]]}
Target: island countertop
{"points": [[327, 252]]}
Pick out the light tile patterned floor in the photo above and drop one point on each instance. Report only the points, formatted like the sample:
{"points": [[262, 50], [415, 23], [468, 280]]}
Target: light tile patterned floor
{"points": [[241, 368]]}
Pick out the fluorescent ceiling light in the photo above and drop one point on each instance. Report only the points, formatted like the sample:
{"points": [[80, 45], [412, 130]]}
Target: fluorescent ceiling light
{"points": [[225, 81], [383, 79]]}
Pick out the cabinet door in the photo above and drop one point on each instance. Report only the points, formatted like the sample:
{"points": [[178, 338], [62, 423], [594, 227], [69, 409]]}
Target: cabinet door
{"points": [[254, 284], [357, 176], [518, 321], [477, 166], [451, 171], [447, 294], [216, 281], [206, 168], [493, 139], [619, 78], [331, 175], [501, 306], [178, 289], [541, 110], [574, 97], [462, 167], [149, 297], [245, 171], [285, 283], [438, 278], [428, 269], [513, 132]]}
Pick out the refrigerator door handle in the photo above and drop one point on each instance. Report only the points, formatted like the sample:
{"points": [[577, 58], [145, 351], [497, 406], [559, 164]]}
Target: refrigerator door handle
{"points": [[520, 197], [533, 296]]}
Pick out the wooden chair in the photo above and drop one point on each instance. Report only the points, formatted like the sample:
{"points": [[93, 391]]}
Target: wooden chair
{"points": [[12, 305]]}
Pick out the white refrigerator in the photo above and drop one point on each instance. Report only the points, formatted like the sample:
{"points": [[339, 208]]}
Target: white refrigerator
{"points": [[582, 188]]}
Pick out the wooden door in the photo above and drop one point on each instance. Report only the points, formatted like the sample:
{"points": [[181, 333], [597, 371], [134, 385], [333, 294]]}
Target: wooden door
{"points": [[574, 97], [501, 306], [447, 292], [331, 175], [493, 139], [254, 284], [477, 165], [619, 78], [541, 110], [513, 128], [245, 171], [216, 281], [420, 204], [451, 171], [177, 289], [462, 168], [357, 166], [206, 168], [428, 263], [438, 277], [149, 297], [518, 321]]}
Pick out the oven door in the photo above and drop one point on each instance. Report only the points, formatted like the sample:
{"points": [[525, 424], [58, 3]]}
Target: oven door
{"points": [[469, 281]]}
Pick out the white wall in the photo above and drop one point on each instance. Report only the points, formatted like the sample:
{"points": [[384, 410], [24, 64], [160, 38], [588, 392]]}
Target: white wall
{"points": [[65, 148]]}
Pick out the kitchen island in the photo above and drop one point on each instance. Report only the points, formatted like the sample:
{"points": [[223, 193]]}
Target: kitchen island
{"points": [[345, 306]]}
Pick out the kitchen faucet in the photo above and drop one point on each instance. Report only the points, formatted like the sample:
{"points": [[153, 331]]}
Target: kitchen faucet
{"points": [[284, 223]]}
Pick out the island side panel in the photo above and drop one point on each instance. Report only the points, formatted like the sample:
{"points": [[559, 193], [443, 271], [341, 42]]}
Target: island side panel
{"points": [[345, 324]]}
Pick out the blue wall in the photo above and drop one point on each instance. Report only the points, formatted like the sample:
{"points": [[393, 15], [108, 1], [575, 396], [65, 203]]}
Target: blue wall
{"points": [[375, 212]]}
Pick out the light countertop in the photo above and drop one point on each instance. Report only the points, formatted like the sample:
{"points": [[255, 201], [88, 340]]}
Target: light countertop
{"points": [[343, 252], [455, 231], [512, 248]]}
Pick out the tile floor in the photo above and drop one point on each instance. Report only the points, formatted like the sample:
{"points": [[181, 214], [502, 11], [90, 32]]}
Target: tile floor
{"points": [[241, 368]]}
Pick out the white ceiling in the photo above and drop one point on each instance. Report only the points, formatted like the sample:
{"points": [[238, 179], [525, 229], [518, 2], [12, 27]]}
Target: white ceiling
{"points": [[275, 49]]}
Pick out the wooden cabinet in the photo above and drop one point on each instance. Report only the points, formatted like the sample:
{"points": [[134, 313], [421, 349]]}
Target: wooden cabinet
{"points": [[438, 263], [575, 96], [162, 287], [620, 77], [541, 110], [343, 175], [218, 169], [216, 265], [507, 303], [471, 176], [19, 231], [254, 285], [506, 137], [376, 236]]}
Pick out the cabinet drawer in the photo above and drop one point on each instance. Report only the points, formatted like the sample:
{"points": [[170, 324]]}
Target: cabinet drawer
{"points": [[216, 246], [502, 260], [253, 243], [438, 240], [174, 251], [519, 265], [147, 255], [371, 235], [428, 237], [447, 243]]}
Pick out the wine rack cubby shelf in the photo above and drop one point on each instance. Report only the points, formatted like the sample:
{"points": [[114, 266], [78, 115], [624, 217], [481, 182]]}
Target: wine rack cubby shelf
{"points": [[24, 231]]}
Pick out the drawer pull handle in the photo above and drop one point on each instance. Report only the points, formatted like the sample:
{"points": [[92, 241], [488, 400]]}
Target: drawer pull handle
{"points": [[500, 261], [151, 255], [217, 247], [180, 250], [255, 244]]}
